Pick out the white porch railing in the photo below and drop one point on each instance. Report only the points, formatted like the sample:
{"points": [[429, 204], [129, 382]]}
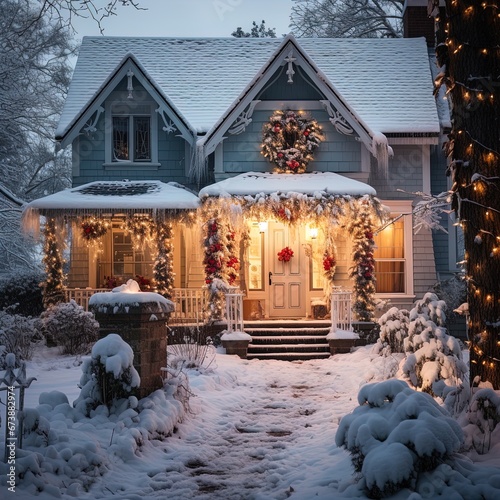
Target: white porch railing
{"points": [[190, 303], [234, 310], [341, 310], [82, 295]]}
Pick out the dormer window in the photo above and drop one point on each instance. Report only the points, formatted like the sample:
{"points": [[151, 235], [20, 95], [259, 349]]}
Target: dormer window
{"points": [[131, 135], [131, 138]]}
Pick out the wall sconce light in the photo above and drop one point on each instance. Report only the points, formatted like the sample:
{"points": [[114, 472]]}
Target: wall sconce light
{"points": [[263, 226], [313, 233]]}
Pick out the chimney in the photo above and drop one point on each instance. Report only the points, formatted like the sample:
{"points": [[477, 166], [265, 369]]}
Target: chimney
{"points": [[416, 21]]}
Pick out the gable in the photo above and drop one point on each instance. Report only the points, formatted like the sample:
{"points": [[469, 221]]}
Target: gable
{"points": [[128, 71]]}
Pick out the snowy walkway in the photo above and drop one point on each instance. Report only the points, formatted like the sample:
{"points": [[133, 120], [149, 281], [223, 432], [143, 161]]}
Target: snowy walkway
{"points": [[259, 430]]}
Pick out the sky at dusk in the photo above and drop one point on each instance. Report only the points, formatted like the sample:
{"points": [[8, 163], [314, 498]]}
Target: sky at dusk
{"points": [[187, 18]]}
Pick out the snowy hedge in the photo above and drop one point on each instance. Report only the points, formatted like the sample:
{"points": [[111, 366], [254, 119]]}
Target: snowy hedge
{"points": [[395, 435]]}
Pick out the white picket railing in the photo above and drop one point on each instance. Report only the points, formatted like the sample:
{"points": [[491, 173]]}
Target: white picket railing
{"points": [[82, 295], [234, 310], [341, 310], [190, 303]]}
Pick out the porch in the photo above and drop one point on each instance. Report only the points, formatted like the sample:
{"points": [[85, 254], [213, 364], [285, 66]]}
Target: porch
{"points": [[276, 338]]}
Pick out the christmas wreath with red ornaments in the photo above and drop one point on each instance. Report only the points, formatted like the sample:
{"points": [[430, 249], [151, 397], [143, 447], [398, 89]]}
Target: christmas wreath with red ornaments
{"points": [[289, 139]]}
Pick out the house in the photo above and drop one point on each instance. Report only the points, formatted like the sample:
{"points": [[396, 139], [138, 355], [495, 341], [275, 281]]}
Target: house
{"points": [[281, 166]]}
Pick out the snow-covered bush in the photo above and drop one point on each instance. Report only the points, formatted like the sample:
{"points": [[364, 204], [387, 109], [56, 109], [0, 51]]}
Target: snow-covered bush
{"points": [[433, 358], [17, 335], [108, 376], [21, 293], [393, 330], [483, 418], [191, 353], [69, 326], [430, 308], [395, 436]]}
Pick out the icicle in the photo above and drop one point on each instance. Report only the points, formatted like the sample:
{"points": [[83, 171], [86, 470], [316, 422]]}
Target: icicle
{"points": [[30, 222], [198, 169], [382, 151]]}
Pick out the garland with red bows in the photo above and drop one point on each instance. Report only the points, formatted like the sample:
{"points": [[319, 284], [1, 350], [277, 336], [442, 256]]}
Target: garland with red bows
{"points": [[289, 140]]}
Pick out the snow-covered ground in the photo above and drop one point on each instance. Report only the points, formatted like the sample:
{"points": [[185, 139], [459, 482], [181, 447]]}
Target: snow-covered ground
{"points": [[255, 430]]}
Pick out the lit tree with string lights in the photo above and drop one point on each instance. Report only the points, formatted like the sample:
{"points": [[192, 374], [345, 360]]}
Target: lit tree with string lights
{"points": [[164, 264], [468, 49], [363, 270], [53, 286]]}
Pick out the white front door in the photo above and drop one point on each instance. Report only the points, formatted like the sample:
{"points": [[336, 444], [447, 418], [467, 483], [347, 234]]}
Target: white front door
{"points": [[286, 280]]}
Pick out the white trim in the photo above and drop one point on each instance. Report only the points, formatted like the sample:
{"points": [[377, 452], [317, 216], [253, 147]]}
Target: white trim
{"points": [[426, 169], [75, 158], [123, 165], [108, 130], [402, 141], [219, 159]]}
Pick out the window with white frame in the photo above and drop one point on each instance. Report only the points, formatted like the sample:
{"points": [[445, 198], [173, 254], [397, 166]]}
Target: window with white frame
{"points": [[131, 136], [393, 252]]}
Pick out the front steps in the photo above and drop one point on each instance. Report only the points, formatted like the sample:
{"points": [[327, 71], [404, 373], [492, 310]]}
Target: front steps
{"points": [[288, 341]]}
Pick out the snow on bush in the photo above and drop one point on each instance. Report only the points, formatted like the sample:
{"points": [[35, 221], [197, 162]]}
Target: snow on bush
{"points": [[65, 450], [395, 435], [433, 358], [108, 375], [69, 326], [482, 419], [17, 336], [393, 331]]}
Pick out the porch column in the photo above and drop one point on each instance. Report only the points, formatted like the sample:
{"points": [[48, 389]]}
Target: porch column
{"points": [[163, 270], [53, 286]]}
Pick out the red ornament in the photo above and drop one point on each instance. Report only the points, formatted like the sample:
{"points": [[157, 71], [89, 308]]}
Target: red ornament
{"points": [[369, 235], [306, 132]]}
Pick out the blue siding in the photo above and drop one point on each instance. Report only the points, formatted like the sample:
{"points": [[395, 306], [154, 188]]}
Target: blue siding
{"points": [[405, 172], [279, 89], [440, 239], [171, 152], [337, 153]]}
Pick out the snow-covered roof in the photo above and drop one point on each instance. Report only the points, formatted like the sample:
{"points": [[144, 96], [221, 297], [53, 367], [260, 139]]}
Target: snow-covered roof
{"points": [[387, 82], [253, 183], [120, 195]]}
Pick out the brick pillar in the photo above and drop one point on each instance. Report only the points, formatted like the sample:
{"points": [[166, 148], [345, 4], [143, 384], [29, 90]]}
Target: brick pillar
{"points": [[143, 325]]}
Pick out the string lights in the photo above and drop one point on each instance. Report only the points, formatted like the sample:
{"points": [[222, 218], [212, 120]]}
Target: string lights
{"points": [[53, 286], [469, 54]]}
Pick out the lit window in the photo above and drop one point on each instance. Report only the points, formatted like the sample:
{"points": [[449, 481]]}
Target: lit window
{"points": [[131, 138], [390, 259], [121, 260]]}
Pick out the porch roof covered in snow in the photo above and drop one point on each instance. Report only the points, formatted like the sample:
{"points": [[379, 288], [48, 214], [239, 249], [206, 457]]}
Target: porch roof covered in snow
{"points": [[117, 197], [312, 184]]}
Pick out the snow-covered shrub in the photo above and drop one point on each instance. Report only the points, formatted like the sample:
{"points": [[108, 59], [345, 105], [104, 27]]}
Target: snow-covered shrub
{"points": [[433, 358], [69, 326], [396, 435], [21, 293], [436, 365], [483, 418], [17, 335], [393, 330], [430, 308], [108, 375]]}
